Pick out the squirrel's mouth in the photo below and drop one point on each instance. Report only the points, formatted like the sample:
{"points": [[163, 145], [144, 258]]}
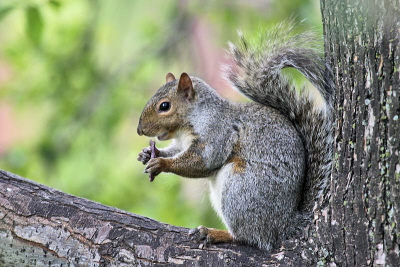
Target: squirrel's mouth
{"points": [[163, 136]]}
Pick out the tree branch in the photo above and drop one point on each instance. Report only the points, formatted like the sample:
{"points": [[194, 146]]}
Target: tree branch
{"points": [[42, 226]]}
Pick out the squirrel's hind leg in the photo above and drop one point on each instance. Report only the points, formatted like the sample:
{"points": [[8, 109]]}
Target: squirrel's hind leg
{"points": [[210, 235]]}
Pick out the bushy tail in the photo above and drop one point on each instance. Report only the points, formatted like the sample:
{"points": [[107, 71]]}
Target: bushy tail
{"points": [[256, 72]]}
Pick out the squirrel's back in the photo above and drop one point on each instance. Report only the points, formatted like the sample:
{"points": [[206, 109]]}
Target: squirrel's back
{"points": [[256, 72]]}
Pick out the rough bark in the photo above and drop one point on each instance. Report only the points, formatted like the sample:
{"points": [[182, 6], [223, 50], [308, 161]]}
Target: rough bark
{"points": [[361, 224], [40, 226]]}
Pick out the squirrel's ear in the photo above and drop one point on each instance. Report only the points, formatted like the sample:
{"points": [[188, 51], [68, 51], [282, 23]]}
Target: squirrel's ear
{"points": [[185, 86], [170, 77]]}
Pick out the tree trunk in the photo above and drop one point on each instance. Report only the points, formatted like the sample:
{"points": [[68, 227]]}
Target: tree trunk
{"points": [[361, 224]]}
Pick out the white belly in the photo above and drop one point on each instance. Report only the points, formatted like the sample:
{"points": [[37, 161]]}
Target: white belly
{"points": [[217, 184]]}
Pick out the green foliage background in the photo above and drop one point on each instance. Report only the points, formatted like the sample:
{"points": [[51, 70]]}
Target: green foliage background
{"points": [[82, 70]]}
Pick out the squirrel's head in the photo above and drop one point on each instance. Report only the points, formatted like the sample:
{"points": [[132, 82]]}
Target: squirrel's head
{"points": [[165, 113]]}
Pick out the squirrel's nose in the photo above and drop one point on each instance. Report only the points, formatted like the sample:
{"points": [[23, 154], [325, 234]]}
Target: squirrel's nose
{"points": [[139, 130]]}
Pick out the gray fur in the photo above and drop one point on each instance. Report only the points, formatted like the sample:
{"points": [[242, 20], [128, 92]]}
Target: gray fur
{"points": [[256, 73], [269, 160], [260, 205]]}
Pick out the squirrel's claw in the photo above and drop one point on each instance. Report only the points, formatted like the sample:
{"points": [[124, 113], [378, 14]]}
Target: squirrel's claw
{"points": [[143, 158], [154, 166], [145, 155], [200, 234]]}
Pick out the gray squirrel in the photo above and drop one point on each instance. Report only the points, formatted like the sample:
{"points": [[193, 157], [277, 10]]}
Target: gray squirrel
{"points": [[267, 161]]}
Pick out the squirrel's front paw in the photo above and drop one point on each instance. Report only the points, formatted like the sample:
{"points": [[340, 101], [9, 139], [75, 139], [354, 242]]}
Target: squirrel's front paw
{"points": [[155, 166], [145, 155]]}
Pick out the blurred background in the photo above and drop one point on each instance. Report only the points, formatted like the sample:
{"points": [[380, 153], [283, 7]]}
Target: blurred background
{"points": [[75, 75]]}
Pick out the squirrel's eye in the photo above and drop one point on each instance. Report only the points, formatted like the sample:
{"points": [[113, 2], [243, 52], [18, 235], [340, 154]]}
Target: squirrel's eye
{"points": [[165, 106]]}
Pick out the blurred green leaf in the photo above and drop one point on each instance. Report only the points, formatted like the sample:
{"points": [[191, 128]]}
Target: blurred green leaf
{"points": [[4, 11], [34, 24], [55, 4]]}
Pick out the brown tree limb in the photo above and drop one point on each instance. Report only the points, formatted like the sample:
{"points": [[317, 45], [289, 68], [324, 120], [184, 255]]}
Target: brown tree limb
{"points": [[41, 226]]}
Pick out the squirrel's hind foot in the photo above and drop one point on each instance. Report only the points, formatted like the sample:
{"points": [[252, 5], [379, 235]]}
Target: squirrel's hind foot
{"points": [[210, 236]]}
